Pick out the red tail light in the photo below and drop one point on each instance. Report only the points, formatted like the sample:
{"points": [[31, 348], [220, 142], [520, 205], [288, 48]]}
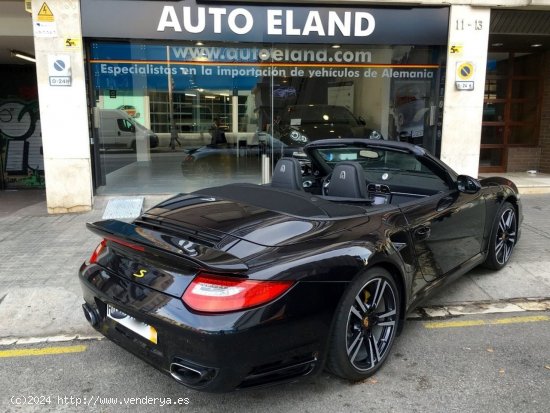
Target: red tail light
{"points": [[216, 294], [99, 249]]}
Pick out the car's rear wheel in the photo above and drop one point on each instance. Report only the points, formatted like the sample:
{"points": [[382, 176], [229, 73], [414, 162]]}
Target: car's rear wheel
{"points": [[365, 326], [503, 237]]}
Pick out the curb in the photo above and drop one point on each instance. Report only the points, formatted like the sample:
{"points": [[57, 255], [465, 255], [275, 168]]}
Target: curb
{"points": [[513, 305], [10, 341]]}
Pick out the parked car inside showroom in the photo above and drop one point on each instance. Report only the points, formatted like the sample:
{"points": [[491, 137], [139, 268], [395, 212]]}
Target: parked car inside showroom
{"points": [[245, 285], [300, 124]]}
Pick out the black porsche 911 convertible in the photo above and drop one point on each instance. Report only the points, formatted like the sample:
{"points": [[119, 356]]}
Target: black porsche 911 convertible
{"points": [[246, 285]]}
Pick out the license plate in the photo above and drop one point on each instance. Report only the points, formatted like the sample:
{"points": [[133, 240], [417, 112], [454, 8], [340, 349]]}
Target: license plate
{"points": [[138, 327]]}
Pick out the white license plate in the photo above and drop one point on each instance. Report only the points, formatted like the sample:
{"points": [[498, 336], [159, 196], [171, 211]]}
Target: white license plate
{"points": [[138, 327]]}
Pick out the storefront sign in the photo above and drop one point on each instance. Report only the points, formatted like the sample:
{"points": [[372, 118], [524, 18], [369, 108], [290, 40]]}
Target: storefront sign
{"points": [[119, 66], [187, 20]]}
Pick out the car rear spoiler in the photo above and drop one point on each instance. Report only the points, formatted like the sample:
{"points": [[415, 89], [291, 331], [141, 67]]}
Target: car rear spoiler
{"points": [[175, 247]]}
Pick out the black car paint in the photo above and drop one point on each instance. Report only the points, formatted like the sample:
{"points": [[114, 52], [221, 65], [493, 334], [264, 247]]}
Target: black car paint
{"points": [[287, 337], [346, 126]]}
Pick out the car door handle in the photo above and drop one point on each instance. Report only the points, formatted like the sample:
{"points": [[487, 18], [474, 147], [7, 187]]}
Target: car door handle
{"points": [[445, 203], [422, 233]]}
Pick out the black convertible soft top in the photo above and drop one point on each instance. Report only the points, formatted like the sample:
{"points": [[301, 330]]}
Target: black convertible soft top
{"points": [[285, 201]]}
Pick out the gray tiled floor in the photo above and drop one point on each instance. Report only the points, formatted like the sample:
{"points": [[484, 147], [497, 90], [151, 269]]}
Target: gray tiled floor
{"points": [[163, 175]]}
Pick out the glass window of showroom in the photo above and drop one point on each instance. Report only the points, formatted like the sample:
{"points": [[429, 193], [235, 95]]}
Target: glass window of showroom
{"points": [[175, 117]]}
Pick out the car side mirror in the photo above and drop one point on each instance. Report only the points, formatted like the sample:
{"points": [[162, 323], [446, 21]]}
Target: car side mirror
{"points": [[467, 184]]}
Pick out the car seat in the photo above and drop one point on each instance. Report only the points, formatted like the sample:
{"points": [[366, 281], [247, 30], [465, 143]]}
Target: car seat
{"points": [[287, 174], [348, 181]]}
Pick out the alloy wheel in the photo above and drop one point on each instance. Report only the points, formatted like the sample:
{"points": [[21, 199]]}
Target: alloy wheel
{"points": [[372, 323], [506, 236]]}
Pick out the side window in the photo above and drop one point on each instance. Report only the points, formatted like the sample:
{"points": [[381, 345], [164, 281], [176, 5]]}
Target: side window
{"points": [[125, 125]]}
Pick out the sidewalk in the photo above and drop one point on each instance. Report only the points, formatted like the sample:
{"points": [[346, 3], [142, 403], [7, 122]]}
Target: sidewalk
{"points": [[527, 183], [40, 255]]}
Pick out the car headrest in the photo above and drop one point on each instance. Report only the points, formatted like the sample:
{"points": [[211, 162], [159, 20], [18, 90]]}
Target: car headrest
{"points": [[287, 174], [348, 180]]}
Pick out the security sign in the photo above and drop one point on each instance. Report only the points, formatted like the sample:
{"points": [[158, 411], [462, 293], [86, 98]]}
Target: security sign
{"points": [[45, 14]]}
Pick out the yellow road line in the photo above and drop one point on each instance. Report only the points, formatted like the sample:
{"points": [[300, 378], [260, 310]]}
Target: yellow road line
{"points": [[24, 352], [498, 321]]}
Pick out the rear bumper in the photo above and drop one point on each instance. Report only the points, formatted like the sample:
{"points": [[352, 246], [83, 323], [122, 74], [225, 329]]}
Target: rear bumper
{"points": [[281, 341]]}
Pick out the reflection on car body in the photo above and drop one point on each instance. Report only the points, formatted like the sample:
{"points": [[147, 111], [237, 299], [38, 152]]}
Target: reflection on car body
{"points": [[244, 285]]}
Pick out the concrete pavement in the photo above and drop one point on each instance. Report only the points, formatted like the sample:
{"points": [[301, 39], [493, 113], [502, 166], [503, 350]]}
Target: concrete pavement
{"points": [[40, 298]]}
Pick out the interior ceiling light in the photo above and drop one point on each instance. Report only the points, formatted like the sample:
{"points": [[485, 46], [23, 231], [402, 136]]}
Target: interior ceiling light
{"points": [[23, 56], [497, 44], [335, 46], [536, 45]]}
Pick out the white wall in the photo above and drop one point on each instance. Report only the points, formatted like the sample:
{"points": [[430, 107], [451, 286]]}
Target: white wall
{"points": [[63, 110], [463, 110]]}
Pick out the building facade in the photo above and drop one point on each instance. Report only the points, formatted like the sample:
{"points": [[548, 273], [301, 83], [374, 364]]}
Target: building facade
{"points": [[145, 97]]}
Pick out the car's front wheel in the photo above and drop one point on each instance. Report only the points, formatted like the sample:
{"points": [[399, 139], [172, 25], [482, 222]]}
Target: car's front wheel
{"points": [[365, 326], [503, 237]]}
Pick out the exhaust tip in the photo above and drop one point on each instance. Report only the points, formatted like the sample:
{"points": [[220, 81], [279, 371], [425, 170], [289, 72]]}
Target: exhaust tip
{"points": [[91, 315], [191, 375]]}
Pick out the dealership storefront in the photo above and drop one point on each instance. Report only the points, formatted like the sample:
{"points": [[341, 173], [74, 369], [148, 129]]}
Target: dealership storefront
{"points": [[147, 96], [153, 97], [195, 94]]}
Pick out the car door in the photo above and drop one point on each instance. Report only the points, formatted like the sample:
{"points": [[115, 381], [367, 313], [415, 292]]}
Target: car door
{"points": [[446, 229]]}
